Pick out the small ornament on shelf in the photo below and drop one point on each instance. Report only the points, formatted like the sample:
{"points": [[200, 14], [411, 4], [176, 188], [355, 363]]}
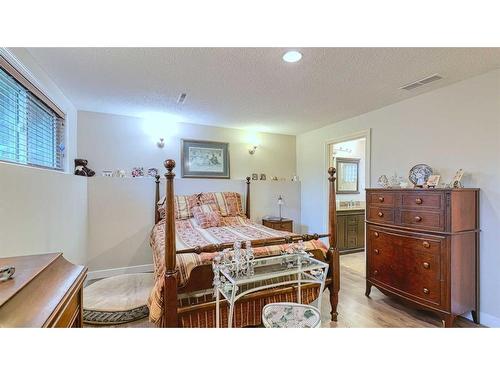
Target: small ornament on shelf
{"points": [[383, 181], [138, 172]]}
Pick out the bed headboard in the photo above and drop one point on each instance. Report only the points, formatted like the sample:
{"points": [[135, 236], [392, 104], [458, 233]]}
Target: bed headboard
{"points": [[186, 187]]}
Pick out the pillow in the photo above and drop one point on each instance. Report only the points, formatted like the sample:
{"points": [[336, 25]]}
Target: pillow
{"points": [[207, 215], [229, 203], [182, 206]]}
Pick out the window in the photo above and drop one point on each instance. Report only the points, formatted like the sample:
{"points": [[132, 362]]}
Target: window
{"points": [[31, 129]]}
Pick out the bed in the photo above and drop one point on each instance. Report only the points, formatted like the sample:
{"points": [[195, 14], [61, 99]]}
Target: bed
{"points": [[183, 248]]}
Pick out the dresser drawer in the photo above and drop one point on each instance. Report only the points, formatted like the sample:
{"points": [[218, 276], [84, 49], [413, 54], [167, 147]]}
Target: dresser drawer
{"points": [[431, 220], [407, 264], [381, 215], [286, 226], [383, 199], [423, 200]]}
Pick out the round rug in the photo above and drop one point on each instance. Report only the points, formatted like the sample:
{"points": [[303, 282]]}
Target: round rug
{"points": [[118, 299]]}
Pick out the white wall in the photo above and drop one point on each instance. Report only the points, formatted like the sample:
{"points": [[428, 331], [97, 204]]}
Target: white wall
{"points": [[121, 215], [120, 211], [43, 211], [454, 127], [122, 142]]}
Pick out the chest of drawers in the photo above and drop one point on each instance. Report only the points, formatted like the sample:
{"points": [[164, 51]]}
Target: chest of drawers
{"points": [[422, 247]]}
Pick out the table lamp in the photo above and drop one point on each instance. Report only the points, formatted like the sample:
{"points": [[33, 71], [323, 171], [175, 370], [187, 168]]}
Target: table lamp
{"points": [[280, 203]]}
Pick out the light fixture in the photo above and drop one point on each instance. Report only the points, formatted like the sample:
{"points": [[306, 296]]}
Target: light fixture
{"points": [[292, 56], [161, 143], [252, 149]]}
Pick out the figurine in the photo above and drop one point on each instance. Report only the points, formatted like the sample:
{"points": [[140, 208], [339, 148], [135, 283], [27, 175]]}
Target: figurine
{"points": [[81, 168]]}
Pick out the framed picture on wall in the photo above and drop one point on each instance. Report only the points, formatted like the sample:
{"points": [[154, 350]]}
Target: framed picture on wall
{"points": [[204, 159]]}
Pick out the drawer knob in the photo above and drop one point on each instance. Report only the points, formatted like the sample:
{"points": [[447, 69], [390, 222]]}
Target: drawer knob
{"points": [[426, 265], [375, 234], [426, 244], [376, 251], [380, 214], [418, 201], [418, 219], [375, 272], [380, 199], [426, 291]]}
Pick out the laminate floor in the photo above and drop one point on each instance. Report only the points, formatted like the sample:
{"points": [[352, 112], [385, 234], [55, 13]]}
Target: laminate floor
{"points": [[358, 311]]}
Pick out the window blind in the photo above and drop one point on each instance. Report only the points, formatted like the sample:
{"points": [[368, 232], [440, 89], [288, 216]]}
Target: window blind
{"points": [[31, 133]]}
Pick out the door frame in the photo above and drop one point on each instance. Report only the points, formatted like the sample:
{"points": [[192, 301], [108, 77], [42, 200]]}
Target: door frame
{"points": [[366, 134]]}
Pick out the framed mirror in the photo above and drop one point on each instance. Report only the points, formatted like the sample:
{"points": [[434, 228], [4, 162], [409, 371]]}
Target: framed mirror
{"points": [[347, 176]]}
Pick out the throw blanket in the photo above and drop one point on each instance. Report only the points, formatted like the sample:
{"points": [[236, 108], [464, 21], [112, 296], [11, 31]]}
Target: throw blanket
{"points": [[189, 235]]}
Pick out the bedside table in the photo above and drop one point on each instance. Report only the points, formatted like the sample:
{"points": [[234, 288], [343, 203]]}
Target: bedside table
{"points": [[279, 224]]}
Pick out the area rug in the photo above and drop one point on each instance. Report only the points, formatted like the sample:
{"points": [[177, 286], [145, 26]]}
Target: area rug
{"points": [[117, 299]]}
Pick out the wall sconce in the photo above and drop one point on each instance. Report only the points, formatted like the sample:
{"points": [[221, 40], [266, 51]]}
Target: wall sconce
{"points": [[161, 143], [251, 150]]}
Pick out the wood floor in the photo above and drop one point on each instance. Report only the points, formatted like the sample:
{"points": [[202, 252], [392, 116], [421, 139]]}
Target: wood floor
{"points": [[356, 310]]}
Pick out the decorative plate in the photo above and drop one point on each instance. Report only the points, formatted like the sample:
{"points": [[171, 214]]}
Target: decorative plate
{"points": [[419, 174]]}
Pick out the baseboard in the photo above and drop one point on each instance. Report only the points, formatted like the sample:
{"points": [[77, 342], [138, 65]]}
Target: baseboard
{"points": [[489, 320], [100, 274]]}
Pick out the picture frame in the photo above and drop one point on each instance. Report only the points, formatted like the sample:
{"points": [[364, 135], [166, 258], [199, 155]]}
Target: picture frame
{"points": [[433, 180], [456, 182], [347, 176], [263, 177], [255, 176], [204, 159]]}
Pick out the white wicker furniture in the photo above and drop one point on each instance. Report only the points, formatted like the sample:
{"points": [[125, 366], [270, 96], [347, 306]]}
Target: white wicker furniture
{"points": [[296, 268]]}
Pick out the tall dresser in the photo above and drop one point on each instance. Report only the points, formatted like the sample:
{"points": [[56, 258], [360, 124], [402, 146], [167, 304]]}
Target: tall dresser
{"points": [[422, 246]]}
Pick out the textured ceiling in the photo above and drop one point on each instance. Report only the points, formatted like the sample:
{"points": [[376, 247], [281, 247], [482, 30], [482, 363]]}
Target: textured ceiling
{"points": [[252, 88]]}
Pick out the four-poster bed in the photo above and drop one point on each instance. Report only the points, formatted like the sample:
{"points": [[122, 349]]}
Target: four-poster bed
{"points": [[181, 296]]}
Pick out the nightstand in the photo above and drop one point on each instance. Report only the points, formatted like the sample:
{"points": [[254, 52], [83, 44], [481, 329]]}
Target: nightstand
{"points": [[279, 224]]}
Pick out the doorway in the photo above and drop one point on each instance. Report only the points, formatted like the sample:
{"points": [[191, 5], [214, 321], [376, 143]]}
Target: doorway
{"points": [[350, 156]]}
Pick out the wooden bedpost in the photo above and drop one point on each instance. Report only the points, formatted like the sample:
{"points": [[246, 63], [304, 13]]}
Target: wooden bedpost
{"points": [[333, 252], [170, 287], [157, 198], [247, 208]]}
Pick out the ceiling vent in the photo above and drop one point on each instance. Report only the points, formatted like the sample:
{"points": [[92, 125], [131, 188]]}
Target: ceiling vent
{"points": [[423, 81], [182, 98]]}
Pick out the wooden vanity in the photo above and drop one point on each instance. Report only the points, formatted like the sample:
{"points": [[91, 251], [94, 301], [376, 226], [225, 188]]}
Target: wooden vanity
{"points": [[350, 229]]}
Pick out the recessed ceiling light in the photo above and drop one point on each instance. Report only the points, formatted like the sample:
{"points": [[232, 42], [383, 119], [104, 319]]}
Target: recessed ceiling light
{"points": [[292, 56]]}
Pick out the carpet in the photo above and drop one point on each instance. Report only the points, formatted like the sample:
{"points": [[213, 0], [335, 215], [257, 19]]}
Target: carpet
{"points": [[118, 299]]}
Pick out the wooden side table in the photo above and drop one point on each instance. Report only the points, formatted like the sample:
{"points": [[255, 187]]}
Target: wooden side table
{"points": [[283, 224]]}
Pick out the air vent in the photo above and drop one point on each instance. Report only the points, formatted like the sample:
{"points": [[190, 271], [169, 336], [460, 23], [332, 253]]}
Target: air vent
{"points": [[182, 98], [423, 81]]}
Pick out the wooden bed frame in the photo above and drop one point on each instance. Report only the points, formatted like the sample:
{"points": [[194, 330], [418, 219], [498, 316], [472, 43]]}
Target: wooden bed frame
{"points": [[201, 277]]}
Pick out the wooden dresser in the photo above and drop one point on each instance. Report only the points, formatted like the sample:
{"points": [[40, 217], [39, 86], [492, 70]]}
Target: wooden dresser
{"points": [[423, 246], [46, 291], [350, 230]]}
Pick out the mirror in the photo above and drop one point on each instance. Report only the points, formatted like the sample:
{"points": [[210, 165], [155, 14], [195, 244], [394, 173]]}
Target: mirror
{"points": [[347, 176]]}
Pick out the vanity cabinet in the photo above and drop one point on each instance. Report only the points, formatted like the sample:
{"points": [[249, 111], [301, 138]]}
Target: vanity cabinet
{"points": [[350, 230]]}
